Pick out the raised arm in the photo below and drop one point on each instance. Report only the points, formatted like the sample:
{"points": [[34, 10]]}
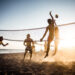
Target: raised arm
{"points": [[44, 34], [53, 19], [51, 16]]}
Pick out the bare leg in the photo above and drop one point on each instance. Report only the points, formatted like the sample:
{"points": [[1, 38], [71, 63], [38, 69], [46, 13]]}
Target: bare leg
{"points": [[56, 47], [30, 55], [48, 47], [25, 54]]}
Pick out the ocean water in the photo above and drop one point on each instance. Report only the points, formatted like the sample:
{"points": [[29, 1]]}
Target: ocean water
{"points": [[7, 51]]}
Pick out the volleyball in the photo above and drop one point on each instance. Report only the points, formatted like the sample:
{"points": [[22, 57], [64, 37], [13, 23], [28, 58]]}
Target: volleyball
{"points": [[56, 16]]}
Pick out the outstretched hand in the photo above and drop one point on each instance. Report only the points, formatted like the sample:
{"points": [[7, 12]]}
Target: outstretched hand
{"points": [[41, 39]]}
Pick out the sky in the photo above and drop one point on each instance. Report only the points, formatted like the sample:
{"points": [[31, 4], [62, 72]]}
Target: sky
{"points": [[25, 14]]}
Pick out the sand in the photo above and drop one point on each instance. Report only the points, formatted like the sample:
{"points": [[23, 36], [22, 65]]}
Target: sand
{"points": [[13, 64]]}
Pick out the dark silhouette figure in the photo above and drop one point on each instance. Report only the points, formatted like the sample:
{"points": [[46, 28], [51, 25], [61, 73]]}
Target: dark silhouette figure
{"points": [[27, 42], [51, 29], [1, 41]]}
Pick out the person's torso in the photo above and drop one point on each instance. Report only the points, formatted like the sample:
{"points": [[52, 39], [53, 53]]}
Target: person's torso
{"points": [[51, 30], [28, 41]]}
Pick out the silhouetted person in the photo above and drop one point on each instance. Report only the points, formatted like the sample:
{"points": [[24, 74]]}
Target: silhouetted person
{"points": [[49, 28], [1, 41], [27, 42]]}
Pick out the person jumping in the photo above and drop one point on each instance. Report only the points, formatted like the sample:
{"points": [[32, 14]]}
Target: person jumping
{"points": [[49, 28]]}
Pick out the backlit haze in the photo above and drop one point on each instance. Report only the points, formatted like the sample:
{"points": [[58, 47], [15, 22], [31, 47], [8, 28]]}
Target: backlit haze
{"points": [[26, 14]]}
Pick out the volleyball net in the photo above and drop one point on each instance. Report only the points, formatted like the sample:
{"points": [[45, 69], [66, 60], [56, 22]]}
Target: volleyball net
{"points": [[15, 38]]}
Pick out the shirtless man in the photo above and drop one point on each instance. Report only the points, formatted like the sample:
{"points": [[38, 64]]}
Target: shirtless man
{"points": [[1, 41], [27, 42], [49, 28]]}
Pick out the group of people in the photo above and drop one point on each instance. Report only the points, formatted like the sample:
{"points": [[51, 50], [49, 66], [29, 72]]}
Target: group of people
{"points": [[53, 33]]}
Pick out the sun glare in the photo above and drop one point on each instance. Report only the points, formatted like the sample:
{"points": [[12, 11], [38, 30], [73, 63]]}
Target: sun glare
{"points": [[66, 40]]}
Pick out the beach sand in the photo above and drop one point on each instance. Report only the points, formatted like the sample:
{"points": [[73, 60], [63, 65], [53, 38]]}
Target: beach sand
{"points": [[13, 64]]}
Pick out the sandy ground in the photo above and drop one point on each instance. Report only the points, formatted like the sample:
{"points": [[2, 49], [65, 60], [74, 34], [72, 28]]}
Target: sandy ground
{"points": [[13, 64]]}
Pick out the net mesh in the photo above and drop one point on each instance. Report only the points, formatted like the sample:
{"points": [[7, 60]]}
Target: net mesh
{"points": [[15, 38]]}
